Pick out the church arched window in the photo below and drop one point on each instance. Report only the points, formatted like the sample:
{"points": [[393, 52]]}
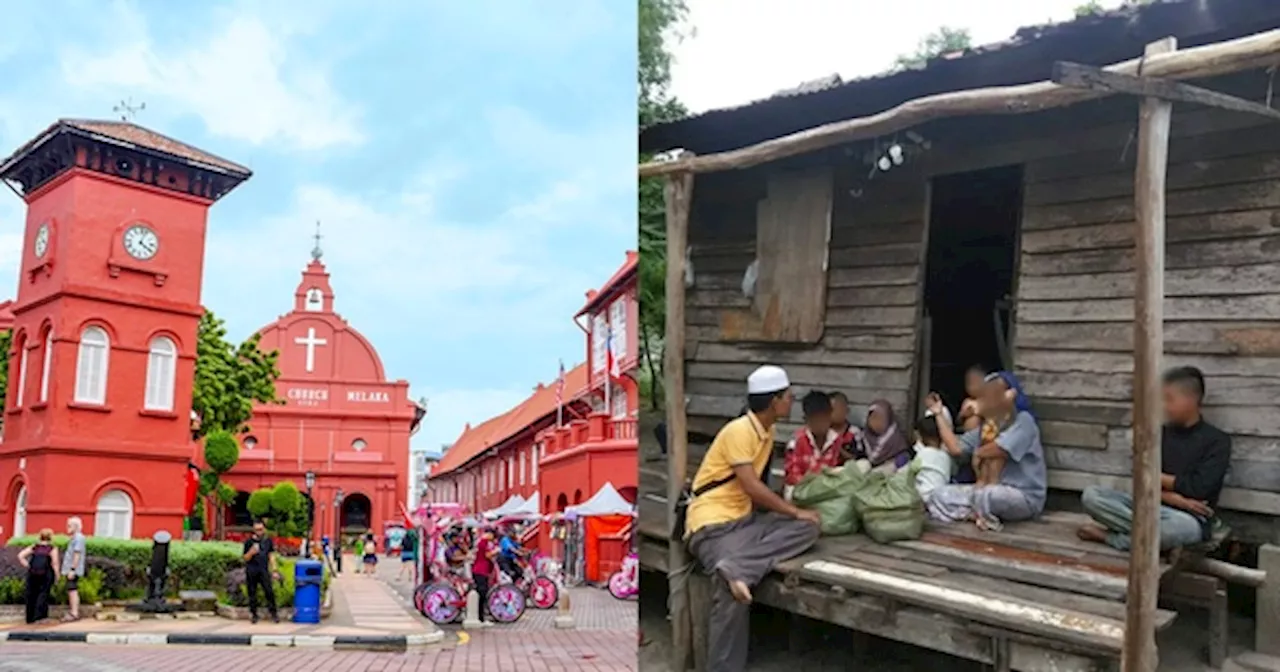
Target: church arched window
{"points": [[91, 366], [162, 361]]}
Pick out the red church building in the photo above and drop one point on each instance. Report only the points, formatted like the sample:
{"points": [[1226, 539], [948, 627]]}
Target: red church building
{"points": [[524, 452], [104, 326], [342, 420]]}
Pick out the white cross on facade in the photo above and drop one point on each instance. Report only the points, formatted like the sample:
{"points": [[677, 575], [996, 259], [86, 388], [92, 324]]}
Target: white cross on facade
{"points": [[311, 342]]}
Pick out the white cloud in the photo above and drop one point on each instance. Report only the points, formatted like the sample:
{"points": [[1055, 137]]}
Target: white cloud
{"points": [[745, 50], [240, 80]]}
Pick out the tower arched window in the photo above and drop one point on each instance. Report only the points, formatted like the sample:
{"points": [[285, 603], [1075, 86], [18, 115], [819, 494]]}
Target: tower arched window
{"points": [[22, 372], [114, 517], [162, 368], [91, 366], [46, 369]]}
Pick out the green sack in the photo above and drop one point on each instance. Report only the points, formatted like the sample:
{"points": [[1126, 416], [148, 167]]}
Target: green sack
{"points": [[890, 506], [830, 494]]}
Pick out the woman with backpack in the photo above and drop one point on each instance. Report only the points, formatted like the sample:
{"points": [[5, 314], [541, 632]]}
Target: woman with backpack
{"points": [[41, 563]]}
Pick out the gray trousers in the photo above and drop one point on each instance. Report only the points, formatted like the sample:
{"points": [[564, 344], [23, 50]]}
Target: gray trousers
{"points": [[1113, 510], [744, 550]]}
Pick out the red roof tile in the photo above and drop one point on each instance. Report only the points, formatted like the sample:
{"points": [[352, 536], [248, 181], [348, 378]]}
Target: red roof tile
{"points": [[128, 132], [495, 431]]}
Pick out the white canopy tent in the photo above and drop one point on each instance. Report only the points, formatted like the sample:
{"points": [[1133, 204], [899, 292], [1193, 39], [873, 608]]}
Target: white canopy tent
{"points": [[530, 507], [605, 502], [514, 504]]}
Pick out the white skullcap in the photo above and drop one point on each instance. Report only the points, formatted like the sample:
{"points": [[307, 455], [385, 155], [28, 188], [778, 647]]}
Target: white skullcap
{"points": [[767, 379]]}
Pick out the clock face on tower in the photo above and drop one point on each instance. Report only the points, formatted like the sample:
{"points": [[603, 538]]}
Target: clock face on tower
{"points": [[42, 240], [141, 242]]}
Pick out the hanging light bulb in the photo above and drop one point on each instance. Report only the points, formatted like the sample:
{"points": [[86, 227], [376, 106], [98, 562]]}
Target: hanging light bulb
{"points": [[884, 163], [895, 154]]}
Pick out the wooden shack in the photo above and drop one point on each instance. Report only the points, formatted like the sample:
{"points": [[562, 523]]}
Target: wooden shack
{"points": [[1006, 240]]}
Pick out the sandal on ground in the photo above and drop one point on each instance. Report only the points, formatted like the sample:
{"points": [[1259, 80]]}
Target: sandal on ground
{"points": [[67, 618]]}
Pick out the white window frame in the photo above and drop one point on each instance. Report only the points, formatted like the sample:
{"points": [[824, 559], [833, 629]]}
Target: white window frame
{"points": [[537, 455], [162, 371], [116, 520], [523, 456], [93, 365], [599, 338], [511, 472], [618, 321], [45, 366], [23, 357]]}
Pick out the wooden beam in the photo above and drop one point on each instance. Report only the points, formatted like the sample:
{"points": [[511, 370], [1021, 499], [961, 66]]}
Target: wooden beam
{"points": [[679, 194], [1079, 76], [1154, 120], [1211, 60]]}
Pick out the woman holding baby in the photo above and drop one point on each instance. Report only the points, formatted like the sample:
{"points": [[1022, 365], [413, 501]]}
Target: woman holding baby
{"points": [[1005, 450]]}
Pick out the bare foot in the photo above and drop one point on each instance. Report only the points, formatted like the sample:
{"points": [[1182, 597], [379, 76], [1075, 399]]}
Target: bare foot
{"points": [[1092, 533]]}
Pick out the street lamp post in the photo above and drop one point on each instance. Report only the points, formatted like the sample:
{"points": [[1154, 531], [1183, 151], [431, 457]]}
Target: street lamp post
{"points": [[337, 530], [310, 480]]}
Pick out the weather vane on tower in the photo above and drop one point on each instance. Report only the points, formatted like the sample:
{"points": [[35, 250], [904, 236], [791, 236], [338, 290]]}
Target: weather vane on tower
{"points": [[316, 252], [127, 110]]}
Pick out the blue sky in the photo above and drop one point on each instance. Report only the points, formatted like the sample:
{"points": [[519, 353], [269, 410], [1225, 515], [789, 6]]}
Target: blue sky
{"points": [[472, 163]]}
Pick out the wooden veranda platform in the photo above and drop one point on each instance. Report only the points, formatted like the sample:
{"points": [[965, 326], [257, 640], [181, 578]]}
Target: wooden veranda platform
{"points": [[1031, 597]]}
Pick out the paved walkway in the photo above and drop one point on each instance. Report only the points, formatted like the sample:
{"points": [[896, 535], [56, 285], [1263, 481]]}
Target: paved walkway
{"points": [[368, 603], [362, 605]]}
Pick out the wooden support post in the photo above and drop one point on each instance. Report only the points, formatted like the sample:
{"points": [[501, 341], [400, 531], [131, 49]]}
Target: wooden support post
{"points": [[679, 193], [1154, 116]]}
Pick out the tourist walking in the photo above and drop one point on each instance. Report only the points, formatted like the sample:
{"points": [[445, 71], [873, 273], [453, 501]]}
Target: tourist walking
{"points": [[73, 566], [260, 570], [41, 563]]}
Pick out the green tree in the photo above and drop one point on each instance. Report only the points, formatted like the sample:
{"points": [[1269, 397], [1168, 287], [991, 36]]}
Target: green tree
{"points": [[229, 380], [282, 507], [659, 23], [942, 41]]}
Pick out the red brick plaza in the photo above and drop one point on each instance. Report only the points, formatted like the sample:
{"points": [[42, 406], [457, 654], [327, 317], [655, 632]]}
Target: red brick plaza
{"points": [[544, 651]]}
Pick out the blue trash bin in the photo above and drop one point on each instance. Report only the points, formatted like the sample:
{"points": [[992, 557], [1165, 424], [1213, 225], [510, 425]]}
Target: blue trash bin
{"points": [[308, 575]]}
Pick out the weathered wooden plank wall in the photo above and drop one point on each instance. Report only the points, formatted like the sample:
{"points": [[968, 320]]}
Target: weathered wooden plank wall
{"points": [[1073, 333], [1075, 292], [868, 345]]}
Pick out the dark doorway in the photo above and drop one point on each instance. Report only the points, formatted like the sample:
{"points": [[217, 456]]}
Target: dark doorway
{"points": [[973, 237], [356, 510], [238, 515]]}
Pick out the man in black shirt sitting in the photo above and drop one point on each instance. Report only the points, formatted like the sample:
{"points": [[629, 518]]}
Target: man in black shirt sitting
{"points": [[259, 570], [1194, 457]]}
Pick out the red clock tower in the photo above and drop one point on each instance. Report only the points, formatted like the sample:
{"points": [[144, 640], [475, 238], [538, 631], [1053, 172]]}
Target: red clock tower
{"points": [[104, 327]]}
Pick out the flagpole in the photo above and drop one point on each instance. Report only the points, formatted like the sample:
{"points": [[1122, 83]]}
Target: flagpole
{"points": [[560, 397], [608, 369]]}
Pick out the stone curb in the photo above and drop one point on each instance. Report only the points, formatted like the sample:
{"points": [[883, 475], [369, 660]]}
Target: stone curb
{"points": [[349, 642]]}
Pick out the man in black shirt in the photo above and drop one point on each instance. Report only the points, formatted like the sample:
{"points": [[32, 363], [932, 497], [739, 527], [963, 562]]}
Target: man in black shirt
{"points": [[1194, 457], [259, 570]]}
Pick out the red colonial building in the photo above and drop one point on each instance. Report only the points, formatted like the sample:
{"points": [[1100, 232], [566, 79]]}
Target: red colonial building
{"points": [[584, 455], [523, 451], [342, 420], [104, 327], [498, 458]]}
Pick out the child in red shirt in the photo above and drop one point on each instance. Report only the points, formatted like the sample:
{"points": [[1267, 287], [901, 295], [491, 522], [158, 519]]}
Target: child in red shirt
{"points": [[816, 445]]}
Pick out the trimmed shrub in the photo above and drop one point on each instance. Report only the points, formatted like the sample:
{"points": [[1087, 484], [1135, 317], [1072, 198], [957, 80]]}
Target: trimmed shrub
{"points": [[193, 565], [13, 590]]}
